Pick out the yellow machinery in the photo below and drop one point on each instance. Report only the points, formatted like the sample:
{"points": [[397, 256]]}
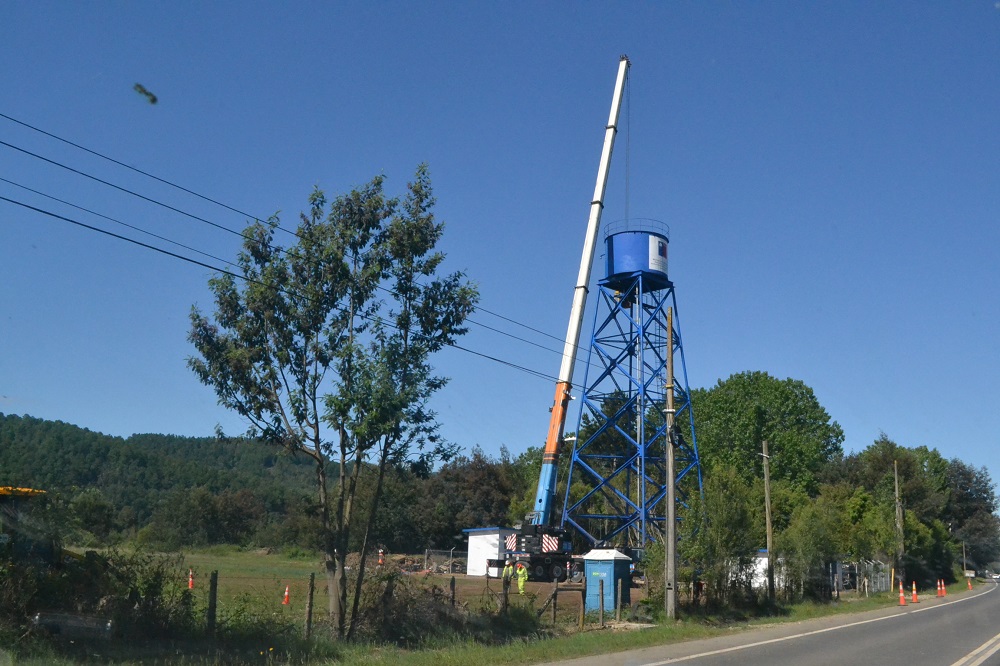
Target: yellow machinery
{"points": [[20, 537]]}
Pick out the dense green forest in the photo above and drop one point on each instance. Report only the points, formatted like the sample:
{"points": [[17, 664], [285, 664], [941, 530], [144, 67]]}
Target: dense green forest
{"points": [[173, 492], [168, 491]]}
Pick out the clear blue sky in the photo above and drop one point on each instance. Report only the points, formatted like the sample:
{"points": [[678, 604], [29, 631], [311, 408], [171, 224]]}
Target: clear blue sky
{"points": [[830, 172]]}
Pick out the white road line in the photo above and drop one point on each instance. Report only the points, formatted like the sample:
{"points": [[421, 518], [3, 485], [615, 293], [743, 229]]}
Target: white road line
{"points": [[965, 661], [737, 648]]}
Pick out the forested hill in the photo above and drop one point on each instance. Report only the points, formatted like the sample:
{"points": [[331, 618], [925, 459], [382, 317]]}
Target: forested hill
{"points": [[171, 492], [53, 454], [136, 475]]}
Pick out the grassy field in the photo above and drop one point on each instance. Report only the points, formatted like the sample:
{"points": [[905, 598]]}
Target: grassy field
{"points": [[256, 574], [264, 576], [259, 579]]}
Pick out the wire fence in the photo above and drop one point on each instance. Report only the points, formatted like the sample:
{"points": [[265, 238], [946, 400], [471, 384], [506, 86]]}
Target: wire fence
{"points": [[445, 561], [866, 577]]}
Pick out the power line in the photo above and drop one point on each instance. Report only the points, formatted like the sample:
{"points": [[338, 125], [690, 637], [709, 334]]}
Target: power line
{"points": [[124, 224], [216, 225], [123, 189], [523, 325], [223, 205], [226, 261], [551, 378], [243, 277], [132, 168], [120, 237], [514, 337], [187, 247]]}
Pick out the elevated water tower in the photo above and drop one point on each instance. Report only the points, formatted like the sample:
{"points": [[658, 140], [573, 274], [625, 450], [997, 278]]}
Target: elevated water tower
{"points": [[619, 455]]}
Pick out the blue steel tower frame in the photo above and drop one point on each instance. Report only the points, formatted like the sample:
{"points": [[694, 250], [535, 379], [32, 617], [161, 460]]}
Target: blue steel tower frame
{"points": [[619, 454]]}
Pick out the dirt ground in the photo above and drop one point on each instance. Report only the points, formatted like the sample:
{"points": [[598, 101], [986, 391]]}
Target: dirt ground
{"points": [[479, 591]]}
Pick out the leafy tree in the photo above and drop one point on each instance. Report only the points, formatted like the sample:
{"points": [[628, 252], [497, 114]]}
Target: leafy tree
{"points": [[970, 515], [722, 533], [945, 504], [809, 543], [971, 491], [923, 484], [735, 415], [93, 513], [981, 536], [398, 526], [470, 491], [324, 347], [867, 529], [928, 553]]}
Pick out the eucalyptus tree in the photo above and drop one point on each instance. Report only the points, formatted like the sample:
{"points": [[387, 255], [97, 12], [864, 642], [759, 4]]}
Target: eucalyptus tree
{"points": [[324, 347]]}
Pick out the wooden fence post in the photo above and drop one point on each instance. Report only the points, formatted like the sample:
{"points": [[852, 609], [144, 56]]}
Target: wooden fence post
{"points": [[583, 606], [600, 605], [555, 597], [309, 605], [618, 602], [213, 596], [387, 598]]}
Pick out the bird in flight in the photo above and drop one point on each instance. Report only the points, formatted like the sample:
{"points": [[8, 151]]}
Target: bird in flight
{"points": [[141, 89]]}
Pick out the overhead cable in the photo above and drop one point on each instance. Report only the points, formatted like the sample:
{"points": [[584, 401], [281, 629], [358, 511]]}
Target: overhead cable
{"points": [[209, 222], [243, 277]]}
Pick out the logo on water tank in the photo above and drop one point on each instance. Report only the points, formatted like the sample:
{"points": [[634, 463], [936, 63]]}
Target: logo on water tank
{"points": [[657, 254]]}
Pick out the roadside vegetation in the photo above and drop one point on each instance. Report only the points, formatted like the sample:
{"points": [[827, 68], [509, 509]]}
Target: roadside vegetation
{"points": [[418, 626], [325, 348]]}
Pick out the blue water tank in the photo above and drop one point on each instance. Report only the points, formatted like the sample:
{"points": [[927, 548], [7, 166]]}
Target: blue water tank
{"points": [[633, 247]]}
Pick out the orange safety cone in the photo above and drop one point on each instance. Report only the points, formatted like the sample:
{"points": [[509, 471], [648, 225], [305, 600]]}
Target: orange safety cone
{"points": [[939, 587], [285, 601], [190, 579], [915, 600], [944, 588], [902, 595], [969, 580]]}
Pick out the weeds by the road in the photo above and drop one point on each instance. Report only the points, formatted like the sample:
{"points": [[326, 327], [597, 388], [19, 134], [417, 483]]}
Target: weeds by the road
{"points": [[417, 625]]}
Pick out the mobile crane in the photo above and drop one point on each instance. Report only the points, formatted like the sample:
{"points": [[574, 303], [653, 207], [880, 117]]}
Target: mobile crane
{"points": [[544, 546]]}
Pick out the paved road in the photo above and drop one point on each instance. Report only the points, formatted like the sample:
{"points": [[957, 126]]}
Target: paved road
{"points": [[958, 630]]}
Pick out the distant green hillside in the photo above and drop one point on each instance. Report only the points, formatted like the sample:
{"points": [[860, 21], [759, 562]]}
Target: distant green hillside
{"points": [[138, 475], [172, 492]]}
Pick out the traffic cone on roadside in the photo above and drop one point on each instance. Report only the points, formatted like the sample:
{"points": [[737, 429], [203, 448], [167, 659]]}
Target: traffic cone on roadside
{"points": [[915, 600], [190, 579], [902, 595], [944, 589], [939, 588], [285, 601], [969, 580]]}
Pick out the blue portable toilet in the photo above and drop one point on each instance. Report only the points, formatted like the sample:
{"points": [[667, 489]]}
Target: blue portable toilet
{"points": [[611, 566]]}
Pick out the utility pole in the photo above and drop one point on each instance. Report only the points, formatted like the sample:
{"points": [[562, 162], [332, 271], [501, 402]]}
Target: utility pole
{"points": [[899, 525], [670, 538], [767, 521]]}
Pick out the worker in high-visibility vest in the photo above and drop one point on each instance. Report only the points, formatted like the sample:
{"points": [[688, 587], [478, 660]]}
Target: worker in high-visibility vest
{"points": [[508, 574], [521, 573]]}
